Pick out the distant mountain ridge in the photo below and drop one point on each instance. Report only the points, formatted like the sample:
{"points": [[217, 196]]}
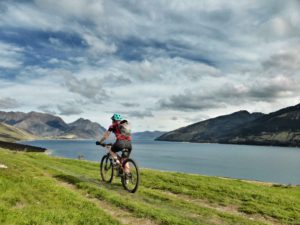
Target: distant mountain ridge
{"points": [[86, 129], [11, 134], [210, 130], [50, 126], [147, 135], [278, 128], [281, 127]]}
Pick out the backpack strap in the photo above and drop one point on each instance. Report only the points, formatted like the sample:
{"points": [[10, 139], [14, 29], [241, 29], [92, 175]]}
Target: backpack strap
{"points": [[123, 121]]}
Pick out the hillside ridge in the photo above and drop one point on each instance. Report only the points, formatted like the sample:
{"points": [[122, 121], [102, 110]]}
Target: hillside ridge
{"points": [[50, 126], [281, 127]]}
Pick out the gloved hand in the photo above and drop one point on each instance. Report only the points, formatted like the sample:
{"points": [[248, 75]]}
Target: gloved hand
{"points": [[99, 143]]}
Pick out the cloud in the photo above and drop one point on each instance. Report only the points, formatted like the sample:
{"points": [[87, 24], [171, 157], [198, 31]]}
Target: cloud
{"points": [[273, 89], [90, 89], [230, 94], [97, 46], [138, 114], [284, 23], [287, 60], [89, 9], [9, 103], [10, 56], [145, 70], [69, 109], [116, 80], [26, 15], [196, 119], [183, 57], [130, 104], [189, 102], [47, 109]]}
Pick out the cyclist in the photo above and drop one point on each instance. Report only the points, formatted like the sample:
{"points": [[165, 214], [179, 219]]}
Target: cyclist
{"points": [[122, 140]]}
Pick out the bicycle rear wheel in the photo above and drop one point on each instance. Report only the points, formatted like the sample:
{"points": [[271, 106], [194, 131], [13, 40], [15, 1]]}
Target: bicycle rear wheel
{"points": [[131, 180], [106, 169]]}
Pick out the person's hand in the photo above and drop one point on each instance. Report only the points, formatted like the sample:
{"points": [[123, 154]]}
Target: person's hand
{"points": [[99, 143]]}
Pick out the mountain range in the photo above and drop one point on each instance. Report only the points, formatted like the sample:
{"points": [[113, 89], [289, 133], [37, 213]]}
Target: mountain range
{"points": [[11, 134], [33, 125], [147, 135], [277, 128], [50, 126]]}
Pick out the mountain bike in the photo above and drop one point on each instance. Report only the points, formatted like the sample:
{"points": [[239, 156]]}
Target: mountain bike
{"points": [[124, 167]]}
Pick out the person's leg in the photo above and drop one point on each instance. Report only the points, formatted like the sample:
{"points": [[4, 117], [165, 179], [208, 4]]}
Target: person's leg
{"points": [[114, 155], [116, 147], [128, 147]]}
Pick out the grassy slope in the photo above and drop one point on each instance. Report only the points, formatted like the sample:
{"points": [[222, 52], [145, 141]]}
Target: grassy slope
{"points": [[38, 189], [12, 134]]}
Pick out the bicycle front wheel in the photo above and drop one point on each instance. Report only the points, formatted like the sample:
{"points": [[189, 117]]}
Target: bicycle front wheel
{"points": [[106, 169], [131, 178]]}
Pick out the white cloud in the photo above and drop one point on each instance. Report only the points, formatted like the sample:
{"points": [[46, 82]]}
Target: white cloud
{"points": [[27, 16], [8, 103], [98, 46], [10, 56], [87, 9], [69, 109], [89, 88], [151, 58]]}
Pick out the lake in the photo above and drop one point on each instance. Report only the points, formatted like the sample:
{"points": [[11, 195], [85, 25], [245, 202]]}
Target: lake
{"points": [[262, 163]]}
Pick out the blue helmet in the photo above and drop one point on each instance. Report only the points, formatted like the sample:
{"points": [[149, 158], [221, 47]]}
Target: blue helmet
{"points": [[116, 116]]}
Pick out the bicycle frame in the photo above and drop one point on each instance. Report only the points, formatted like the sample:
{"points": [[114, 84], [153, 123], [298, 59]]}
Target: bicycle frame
{"points": [[121, 157], [126, 168]]}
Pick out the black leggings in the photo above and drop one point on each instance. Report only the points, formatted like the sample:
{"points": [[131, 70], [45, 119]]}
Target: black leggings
{"points": [[119, 145]]}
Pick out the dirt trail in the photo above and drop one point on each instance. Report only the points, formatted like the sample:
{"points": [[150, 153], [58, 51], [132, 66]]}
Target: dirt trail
{"points": [[122, 215]]}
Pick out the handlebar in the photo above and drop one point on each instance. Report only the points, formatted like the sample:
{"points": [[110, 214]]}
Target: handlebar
{"points": [[104, 145]]}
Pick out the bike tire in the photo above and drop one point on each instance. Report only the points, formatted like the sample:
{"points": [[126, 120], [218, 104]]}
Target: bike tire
{"points": [[131, 181], [106, 169]]}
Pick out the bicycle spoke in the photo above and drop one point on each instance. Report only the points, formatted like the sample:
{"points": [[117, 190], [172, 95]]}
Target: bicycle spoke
{"points": [[128, 171], [130, 180], [106, 169]]}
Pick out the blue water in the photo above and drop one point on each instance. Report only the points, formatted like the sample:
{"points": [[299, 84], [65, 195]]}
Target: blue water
{"points": [[262, 163]]}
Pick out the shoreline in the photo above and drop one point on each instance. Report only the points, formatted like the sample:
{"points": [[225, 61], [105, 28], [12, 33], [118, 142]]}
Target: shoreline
{"points": [[48, 152], [21, 147], [250, 143], [266, 183], [234, 143], [255, 178]]}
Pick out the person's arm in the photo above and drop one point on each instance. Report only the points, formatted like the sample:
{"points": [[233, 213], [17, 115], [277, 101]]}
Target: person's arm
{"points": [[105, 136]]}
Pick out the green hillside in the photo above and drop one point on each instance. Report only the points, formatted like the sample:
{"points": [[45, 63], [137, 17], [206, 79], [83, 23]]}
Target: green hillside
{"points": [[279, 128], [12, 134], [38, 189]]}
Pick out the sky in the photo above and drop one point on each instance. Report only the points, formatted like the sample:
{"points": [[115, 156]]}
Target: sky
{"points": [[162, 64]]}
